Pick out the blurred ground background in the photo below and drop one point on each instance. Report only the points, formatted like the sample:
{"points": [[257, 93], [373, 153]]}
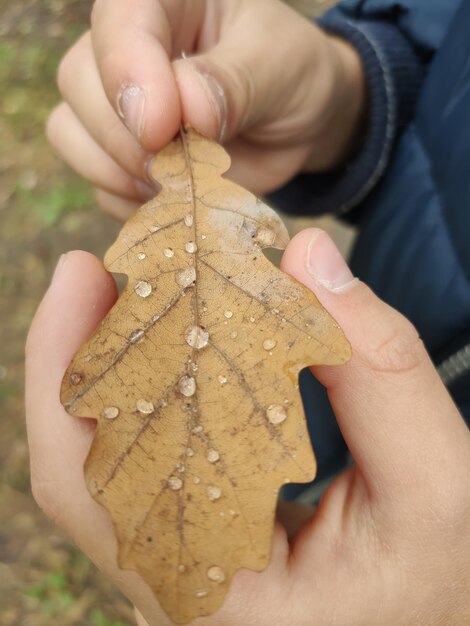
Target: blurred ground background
{"points": [[45, 210]]}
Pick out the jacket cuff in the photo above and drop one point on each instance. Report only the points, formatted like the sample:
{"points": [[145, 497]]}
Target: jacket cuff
{"points": [[394, 75]]}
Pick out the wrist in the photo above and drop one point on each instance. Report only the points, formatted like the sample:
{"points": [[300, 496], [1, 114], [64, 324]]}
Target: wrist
{"points": [[341, 128]]}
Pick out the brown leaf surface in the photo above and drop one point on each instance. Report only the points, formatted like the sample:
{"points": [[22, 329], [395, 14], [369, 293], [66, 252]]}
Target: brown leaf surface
{"points": [[192, 378]]}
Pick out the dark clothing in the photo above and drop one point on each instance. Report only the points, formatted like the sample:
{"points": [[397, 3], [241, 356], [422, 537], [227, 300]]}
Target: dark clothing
{"points": [[408, 189]]}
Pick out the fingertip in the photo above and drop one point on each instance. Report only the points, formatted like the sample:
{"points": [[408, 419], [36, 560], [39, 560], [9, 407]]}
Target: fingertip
{"points": [[294, 258], [203, 102], [80, 294]]}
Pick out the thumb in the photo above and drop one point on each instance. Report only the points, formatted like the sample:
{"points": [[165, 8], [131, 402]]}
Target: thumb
{"points": [[394, 412], [235, 84]]}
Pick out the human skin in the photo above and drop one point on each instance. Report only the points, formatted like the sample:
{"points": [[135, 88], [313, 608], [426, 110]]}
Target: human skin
{"points": [[389, 542], [282, 95]]}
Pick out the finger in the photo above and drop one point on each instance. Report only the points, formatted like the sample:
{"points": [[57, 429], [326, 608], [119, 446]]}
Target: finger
{"points": [[80, 295], [87, 158], [231, 86], [119, 208], [132, 44], [394, 412], [80, 85]]}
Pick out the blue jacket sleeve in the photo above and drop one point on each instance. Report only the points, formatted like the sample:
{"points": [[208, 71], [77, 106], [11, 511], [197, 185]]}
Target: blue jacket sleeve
{"points": [[395, 39]]}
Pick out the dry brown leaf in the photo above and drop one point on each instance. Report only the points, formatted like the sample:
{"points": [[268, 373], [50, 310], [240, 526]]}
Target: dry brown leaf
{"points": [[192, 378]]}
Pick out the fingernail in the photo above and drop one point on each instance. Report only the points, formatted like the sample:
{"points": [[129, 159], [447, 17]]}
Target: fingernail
{"points": [[131, 109], [217, 97], [58, 268], [326, 264], [146, 192]]}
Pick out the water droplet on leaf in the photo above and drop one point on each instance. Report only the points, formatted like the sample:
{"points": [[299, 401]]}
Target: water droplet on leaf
{"points": [[213, 456], [141, 256], [228, 314], [222, 379], [143, 288], [191, 247], [269, 344], [145, 407], [187, 386], [197, 337], [276, 413], [168, 252], [76, 378], [186, 277], [216, 574], [175, 483], [110, 412], [213, 493], [265, 237], [136, 335], [188, 220]]}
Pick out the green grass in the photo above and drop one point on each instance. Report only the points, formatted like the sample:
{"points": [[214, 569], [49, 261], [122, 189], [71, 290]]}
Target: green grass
{"points": [[58, 200]]}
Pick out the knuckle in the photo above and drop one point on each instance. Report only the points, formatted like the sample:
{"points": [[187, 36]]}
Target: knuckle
{"points": [[397, 347]]}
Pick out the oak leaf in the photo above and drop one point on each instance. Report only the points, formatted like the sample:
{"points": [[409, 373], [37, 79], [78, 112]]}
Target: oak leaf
{"points": [[192, 378]]}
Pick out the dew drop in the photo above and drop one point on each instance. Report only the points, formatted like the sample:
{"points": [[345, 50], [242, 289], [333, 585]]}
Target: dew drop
{"points": [[186, 277], [191, 247], [265, 236], [181, 568], [275, 311], [181, 467], [175, 483], [136, 335], [154, 229], [203, 236], [188, 220], [196, 430], [216, 574], [110, 412], [213, 493], [197, 337], [213, 456], [187, 386], [143, 288], [189, 452], [222, 379], [228, 314], [269, 344], [201, 593], [75, 378], [141, 256], [252, 319], [196, 480], [276, 413], [145, 407], [233, 334], [169, 253], [232, 512]]}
